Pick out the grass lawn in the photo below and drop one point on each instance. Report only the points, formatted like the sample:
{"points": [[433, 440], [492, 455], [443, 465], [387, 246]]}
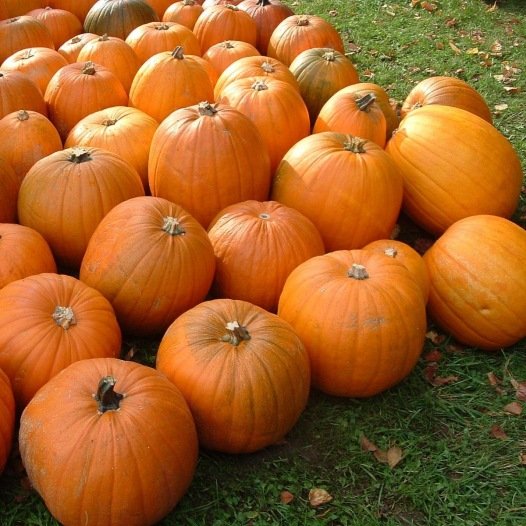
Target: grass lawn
{"points": [[448, 445]]}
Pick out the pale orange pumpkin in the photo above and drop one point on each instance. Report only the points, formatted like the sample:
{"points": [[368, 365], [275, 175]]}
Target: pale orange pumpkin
{"points": [[62, 24], [71, 49]]}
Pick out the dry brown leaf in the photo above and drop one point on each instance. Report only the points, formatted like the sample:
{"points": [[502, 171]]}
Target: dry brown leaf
{"points": [[445, 380], [333, 12], [497, 432], [522, 458], [286, 497], [435, 337], [319, 496], [472, 51], [520, 389], [452, 22], [434, 355], [394, 456], [455, 49], [500, 107], [366, 444], [429, 6], [380, 455], [496, 48], [455, 347], [512, 89], [493, 379], [513, 408], [353, 48], [493, 7]]}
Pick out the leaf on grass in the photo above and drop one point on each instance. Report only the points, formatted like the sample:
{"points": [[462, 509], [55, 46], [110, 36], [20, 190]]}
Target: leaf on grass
{"points": [[429, 6], [455, 49], [496, 48], [452, 22], [455, 347], [497, 432], [353, 48], [512, 90], [286, 497], [472, 51], [415, 3], [522, 458], [434, 355], [493, 379], [435, 337], [333, 12], [492, 7], [501, 107], [513, 408], [319, 496], [430, 374], [367, 445], [394, 456], [520, 389]]}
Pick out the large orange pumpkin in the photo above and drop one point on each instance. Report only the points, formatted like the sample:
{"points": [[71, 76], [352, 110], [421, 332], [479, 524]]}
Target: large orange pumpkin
{"points": [[257, 244], [184, 12], [123, 436], [222, 54], [229, 161], [62, 24], [9, 185], [7, 418], [347, 186], [454, 164], [478, 281], [243, 371], [18, 91], [70, 50], [66, 194], [152, 260], [362, 318], [79, 8], [48, 321]]}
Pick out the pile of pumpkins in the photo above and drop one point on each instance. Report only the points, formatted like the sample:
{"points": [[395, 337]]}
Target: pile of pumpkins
{"points": [[214, 174]]}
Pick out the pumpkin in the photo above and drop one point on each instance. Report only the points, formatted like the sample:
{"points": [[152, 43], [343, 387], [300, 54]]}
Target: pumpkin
{"points": [[347, 186], [48, 321], [320, 73], [9, 185], [229, 161], [269, 103], [257, 244], [20, 7], [454, 164], [114, 54], [123, 130], [156, 37], [183, 80], [124, 435], [361, 317], [38, 63], [18, 91], [79, 8], [243, 371], [222, 54], [359, 116], [478, 281], [62, 24], [24, 253], [7, 418], [118, 18], [22, 32], [296, 33], [160, 6], [70, 50], [25, 138], [406, 255], [184, 12], [256, 66], [224, 22], [65, 195], [267, 14], [448, 91], [152, 260]]}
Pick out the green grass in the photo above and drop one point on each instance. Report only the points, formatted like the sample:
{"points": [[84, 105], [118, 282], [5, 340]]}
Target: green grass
{"points": [[454, 470]]}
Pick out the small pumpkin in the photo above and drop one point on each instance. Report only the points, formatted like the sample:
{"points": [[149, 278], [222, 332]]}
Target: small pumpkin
{"points": [[184, 12], [243, 371], [62, 24], [71, 49], [222, 54], [7, 419], [124, 435]]}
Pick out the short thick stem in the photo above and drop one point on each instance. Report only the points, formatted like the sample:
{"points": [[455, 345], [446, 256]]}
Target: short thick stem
{"points": [[205, 108], [357, 272], [235, 333], [107, 398], [172, 226], [365, 102], [79, 155], [355, 145], [64, 317]]}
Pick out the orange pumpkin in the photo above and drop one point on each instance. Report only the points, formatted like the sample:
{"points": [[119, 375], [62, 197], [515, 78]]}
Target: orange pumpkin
{"points": [[229, 156], [9, 185], [362, 318], [79, 8], [184, 12], [454, 164], [66, 194], [24, 253], [7, 418], [222, 54], [47, 322], [478, 281], [70, 50], [243, 371], [18, 91], [20, 7], [160, 6], [62, 24], [257, 244], [347, 186], [112, 420]]}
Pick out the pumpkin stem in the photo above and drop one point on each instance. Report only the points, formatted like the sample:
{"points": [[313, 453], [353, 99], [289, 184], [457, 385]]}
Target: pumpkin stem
{"points": [[178, 53], [75, 40], [104, 37], [64, 317], [236, 333], [416, 105], [205, 108], [172, 226], [329, 56], [303, 20], [364, 102], [228, 45], [109, 122], [89, 68], [355, 144], [267, 67], [162, 27], [391, 252], [22, 115], [357, 272], [264, 215], [189, 2], [263, 3], [259, 85], [79, 155], [28, 54], [107, 398]]}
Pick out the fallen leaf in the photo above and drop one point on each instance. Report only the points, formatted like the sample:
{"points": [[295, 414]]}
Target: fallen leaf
{"points": [[520, 389], [319, 496], [455, 347], [366, 444], [452, 22], [435, 337], [522, 458], [493, 379], [380, 455], [512, 89], [513, 408], [492, 8], [497, 432], [472, 51], [501, 107], [333, 12], [353, 48], [445, 380], [286, 497], [434, 355], [496, 48], [430, 374], [456, 50], [429, 6], [394, 456], [414, 3]]}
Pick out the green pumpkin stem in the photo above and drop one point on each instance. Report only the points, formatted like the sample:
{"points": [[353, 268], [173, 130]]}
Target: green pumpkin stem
{"points": [[107, 398], [64, 317], [357, 272], [329, 56], [235, 333], [172, 226], [364, 102]]}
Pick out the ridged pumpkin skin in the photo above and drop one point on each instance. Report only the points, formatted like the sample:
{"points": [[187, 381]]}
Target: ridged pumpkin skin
{"points": [[118, 18], [152, 260], [20, 7], [361, 317], [18, 91], [347, 186], [454, 164], [222, 54], [257, 244], [448, 91], [224, 168], [184, 12], [478, 281], [61, 24], [7, 419], [66, 194], [296, 33], [71, 49], [47, 322], [406, 255], [320, 73], [150, 438], [79, 8], [243, 371], [24, 253]]}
